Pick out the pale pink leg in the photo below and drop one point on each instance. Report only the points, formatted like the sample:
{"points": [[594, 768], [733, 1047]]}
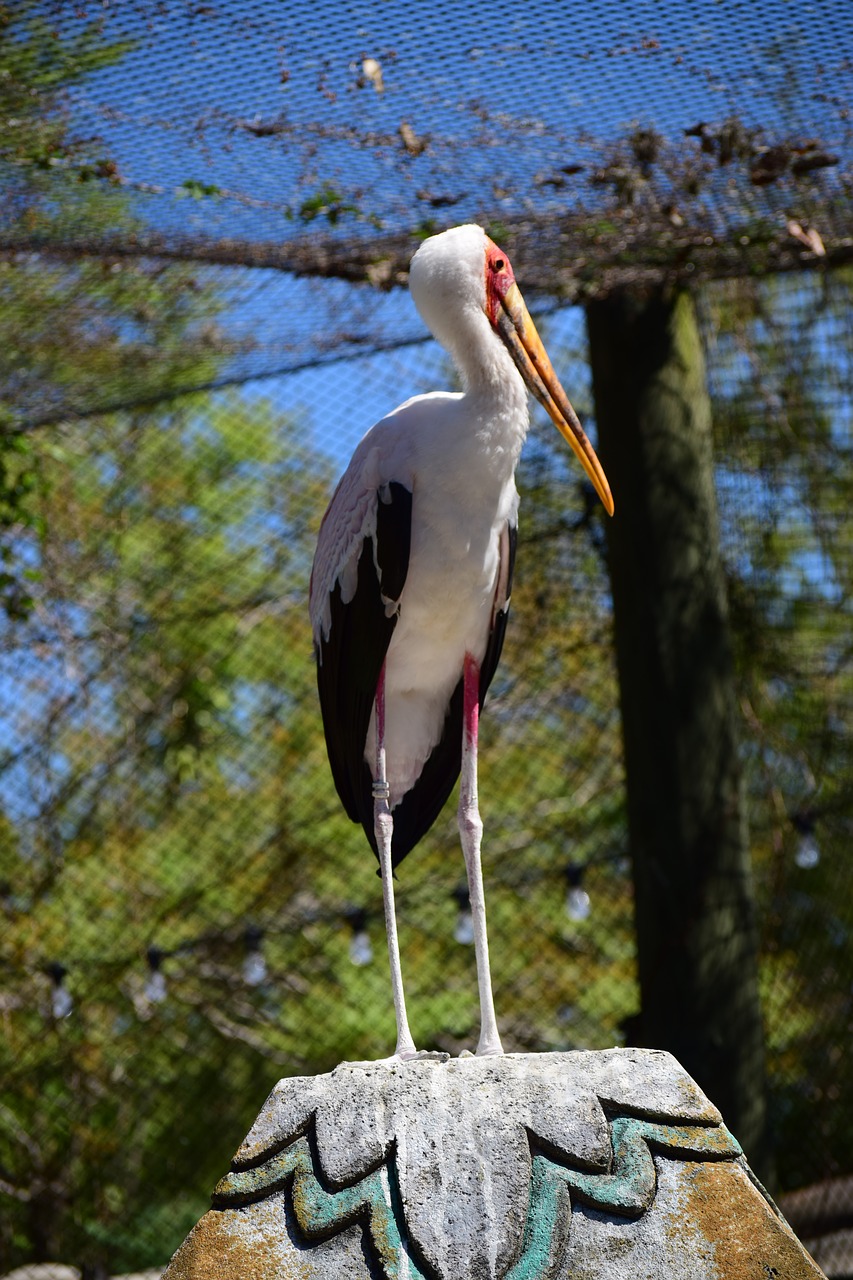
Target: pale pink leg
{"points": [[383, 825], [471, 833]]}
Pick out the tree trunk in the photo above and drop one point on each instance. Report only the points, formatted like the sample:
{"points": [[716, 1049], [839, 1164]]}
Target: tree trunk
{"points": [[696, 936]]}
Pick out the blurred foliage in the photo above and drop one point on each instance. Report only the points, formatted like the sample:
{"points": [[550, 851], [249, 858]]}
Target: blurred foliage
{"points": [[69, 330]]}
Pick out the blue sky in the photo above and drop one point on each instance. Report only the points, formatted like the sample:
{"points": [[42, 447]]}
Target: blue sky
{"points": [[504, 96]]}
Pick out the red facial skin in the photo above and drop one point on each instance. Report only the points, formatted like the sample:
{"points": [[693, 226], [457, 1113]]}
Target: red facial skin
{"points": [[499, 278]]}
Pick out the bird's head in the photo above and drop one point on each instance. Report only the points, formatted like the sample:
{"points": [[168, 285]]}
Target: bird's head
{"points": [[461, 278]]}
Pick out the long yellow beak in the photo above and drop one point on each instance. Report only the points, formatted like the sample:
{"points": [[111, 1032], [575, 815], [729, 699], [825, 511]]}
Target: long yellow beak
{"points": [[519, 334]]}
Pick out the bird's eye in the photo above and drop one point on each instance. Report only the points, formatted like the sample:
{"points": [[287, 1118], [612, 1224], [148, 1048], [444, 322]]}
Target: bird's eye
{"points": [[498, 264]]}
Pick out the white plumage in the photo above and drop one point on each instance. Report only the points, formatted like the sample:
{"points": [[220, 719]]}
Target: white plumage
{"points": [[457, 454]]}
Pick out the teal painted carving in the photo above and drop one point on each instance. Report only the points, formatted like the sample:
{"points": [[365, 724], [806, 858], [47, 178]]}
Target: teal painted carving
{"points": [[626, 1189], [629, 1188], [373, 1200]]}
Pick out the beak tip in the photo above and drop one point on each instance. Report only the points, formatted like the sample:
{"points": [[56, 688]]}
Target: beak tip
{"points": [[602, 488]]}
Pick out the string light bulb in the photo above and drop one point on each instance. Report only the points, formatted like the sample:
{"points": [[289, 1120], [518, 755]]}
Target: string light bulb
{"points": [[360, 950], [578, 904], [155, 985], [464, 929], [807, 852], [254, 964], [61, 1002]]}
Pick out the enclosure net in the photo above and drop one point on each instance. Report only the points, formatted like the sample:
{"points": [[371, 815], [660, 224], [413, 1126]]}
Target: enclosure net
{"points": [[207, 216]]}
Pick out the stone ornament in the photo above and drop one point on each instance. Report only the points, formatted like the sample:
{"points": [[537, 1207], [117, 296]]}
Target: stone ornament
{"points": [[523, 1167]]}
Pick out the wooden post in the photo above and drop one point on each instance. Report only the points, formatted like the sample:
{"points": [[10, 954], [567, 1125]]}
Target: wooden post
{"points": [[696, 932]]}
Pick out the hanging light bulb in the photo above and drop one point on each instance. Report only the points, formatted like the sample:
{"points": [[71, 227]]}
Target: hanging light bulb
{"points": [[464, 929], [61, 1003], [360, 950], [577, 899], [155, 986], [807, 852], [254, 964]]}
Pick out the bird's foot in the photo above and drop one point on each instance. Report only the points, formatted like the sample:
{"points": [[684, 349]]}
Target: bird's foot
{"points": [[405, 1055], [439, 1055], [490, 1047]]}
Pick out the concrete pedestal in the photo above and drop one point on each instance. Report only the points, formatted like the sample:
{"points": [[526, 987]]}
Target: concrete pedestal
{"points": [[528, 1167]]}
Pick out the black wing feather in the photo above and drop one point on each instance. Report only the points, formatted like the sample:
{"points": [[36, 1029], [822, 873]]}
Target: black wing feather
{"points": [[349, 662], [348, 668]]}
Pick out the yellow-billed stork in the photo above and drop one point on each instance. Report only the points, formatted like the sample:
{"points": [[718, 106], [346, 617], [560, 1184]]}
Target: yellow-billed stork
{"points": [[411, 579]]}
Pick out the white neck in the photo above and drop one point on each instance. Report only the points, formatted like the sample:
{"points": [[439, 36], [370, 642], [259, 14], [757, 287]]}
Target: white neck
{"points": [[447, 282], [495, 394]]}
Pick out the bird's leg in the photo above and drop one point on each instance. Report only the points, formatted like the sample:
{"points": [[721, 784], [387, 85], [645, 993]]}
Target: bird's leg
{"points": [[471, 833], [383, 825]]}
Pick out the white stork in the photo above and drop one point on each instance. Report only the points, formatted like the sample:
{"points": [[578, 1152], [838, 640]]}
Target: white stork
{"points": [[411, 579]]}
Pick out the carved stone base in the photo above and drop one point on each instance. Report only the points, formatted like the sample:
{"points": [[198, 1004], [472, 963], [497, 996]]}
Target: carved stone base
{"points": [[526, 1167]]}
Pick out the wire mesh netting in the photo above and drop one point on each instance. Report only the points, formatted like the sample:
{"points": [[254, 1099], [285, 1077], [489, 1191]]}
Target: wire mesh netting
{"points": [[207, 214]]}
